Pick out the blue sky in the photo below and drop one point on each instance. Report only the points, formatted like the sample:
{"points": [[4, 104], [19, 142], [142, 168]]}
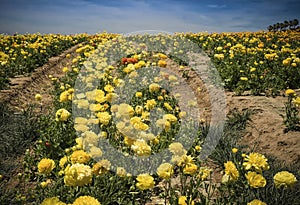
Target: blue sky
{"points": [[124, 16]]}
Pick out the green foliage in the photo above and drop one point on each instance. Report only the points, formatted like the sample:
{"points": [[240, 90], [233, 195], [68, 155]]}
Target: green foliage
{"points": [[291, 118]]}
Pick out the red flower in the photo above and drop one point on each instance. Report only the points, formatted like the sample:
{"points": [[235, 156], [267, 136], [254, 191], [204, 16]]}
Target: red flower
{"points": [[47, 144], [124, 60], [129, 60], [132, 60]]}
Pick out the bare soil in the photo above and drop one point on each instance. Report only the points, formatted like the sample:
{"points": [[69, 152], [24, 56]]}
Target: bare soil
{"points": [[265, 132]]}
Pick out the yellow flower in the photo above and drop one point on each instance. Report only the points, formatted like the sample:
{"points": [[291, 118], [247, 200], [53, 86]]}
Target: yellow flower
{"points": [[109, 88], [81, 128], [111, 97], [129, 68], [204, 173], [46, 165], [141, 148], [104, 117], [139, 110], [63, 161], [62, 115], [155, 140], [182, 114], [78, 175], [271, 56], [65, 69], [144, 181], [182, 200], [138, 124], [121, 172], [101, 167], [154, 87], [231, 171], [64, 96], [84, 104], [140, 64], [252, 69], [160, 98], [52, 201], [150, 104], [286, 61], [95, 152], [255, 180], [256, 202], [138, 94], [81, 120], [96, 107], [86, 200], [171, 118], [128, 141], [290, 92], [80, 156], [75, 70], [38, 97], [145, 115], [168, 106], [198, 148], [162, 56], [244, 78], [162, 63], [99, 96], [177, 149], [219, 48], [125, 110], [219, 56], [296, 101], [45, 183], [284, 179], [190, 168], [234, 150], [165, 170], [256, 160]]}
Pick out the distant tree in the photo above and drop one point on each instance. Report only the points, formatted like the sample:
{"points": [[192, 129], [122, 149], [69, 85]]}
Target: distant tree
{"points": [[270, 28], [295, 23], [290, 24], [286, 24], [283, 26], [277, 26]]}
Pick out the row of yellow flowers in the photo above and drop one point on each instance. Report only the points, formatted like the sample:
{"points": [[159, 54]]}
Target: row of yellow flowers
{"points": [[22, 53], [260, 62]]}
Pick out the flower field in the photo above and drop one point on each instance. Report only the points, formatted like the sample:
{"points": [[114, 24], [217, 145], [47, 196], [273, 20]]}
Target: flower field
{"points": [[21, 54], [130, 124]]}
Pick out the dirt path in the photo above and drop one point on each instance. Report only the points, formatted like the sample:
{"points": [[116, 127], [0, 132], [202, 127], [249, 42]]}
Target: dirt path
{"points": [[23, 89], [266, 131]]}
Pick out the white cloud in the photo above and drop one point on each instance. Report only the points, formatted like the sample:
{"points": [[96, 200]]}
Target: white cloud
{"points": [[216, 6]]}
